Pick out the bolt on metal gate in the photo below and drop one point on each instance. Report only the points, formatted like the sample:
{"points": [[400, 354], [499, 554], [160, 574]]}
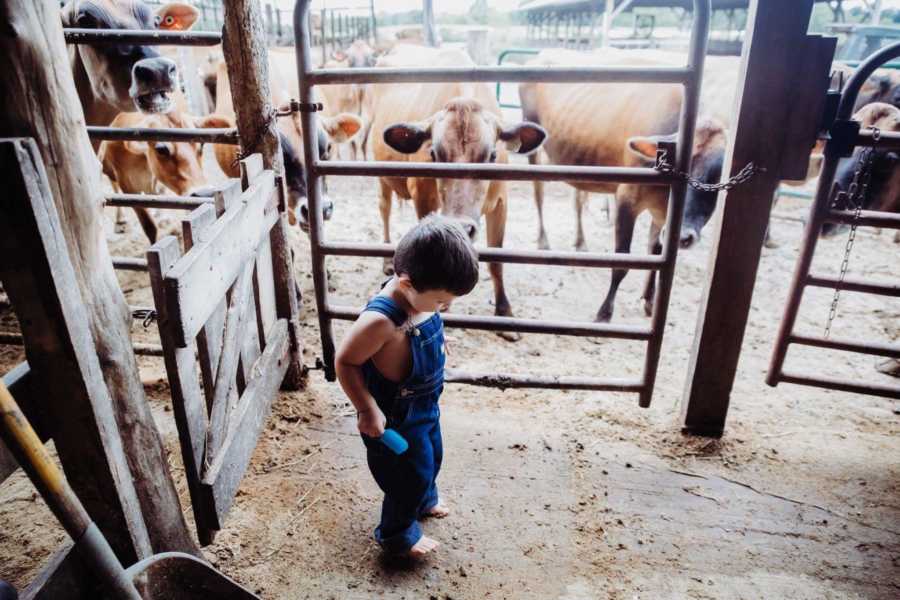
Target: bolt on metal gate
{"points": [[688, 76], [840, 145]]}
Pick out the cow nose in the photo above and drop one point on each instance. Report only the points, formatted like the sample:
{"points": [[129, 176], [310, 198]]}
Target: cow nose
{"points": [[157, 71], [206, 191], [470, 227], [327, 208], [688, 237]]}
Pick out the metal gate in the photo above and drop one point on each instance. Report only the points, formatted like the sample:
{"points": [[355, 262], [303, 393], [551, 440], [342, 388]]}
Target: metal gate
{"points": [[845, 137], [688, 76]]}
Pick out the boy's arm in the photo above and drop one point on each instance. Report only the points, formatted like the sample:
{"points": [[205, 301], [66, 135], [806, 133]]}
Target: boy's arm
{"points": [[366, 337]]}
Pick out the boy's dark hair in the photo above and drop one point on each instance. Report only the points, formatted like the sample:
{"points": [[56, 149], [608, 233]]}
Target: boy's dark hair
{"points": [[436, 254]]}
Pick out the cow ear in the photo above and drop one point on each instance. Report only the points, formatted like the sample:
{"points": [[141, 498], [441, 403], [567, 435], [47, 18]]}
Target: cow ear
{"points": [[524, 137], [215, 121], [644, 148], [407, 137], [176, 16], [136, 147], [341, 127]]}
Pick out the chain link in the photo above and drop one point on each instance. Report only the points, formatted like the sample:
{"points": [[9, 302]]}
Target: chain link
{"points": [[147, 314], [744, 175], [856, 196], [294, 106]]}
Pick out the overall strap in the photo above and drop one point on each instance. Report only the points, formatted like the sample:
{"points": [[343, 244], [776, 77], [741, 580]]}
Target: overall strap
{"points": [[389, 308]]}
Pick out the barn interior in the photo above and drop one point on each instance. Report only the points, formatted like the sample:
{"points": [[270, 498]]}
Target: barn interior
{"points": [[734, 437]]}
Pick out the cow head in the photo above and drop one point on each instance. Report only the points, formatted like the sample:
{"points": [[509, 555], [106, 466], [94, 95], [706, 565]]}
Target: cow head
{"points": [[358, 54], [122, 75], [177, 165], [706, 165], [463, 132], [882, 86], [331, 131], [883, 192]]}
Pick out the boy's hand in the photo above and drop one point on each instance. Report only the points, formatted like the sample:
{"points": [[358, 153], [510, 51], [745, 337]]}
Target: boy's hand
{"points": [[371, 423]]}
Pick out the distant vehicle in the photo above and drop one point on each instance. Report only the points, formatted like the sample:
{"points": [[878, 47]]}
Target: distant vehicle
{"points": [[862, 41]]}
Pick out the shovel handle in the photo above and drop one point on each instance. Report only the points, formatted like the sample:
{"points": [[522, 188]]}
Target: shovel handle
{"points": [[33, 457]]}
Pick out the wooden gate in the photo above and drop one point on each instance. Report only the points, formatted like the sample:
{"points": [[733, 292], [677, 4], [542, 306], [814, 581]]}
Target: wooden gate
{"points": [[225, 345], [845, 136]]}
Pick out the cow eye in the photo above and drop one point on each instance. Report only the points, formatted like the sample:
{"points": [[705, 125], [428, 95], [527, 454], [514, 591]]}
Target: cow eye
{"points": [[163, 149], [433, 156], [493, 156], [86, 21]]}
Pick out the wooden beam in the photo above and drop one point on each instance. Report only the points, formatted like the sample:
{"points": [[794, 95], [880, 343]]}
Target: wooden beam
{"points": [[41, 283], [244, 47], [39, 103], [776, 48]]}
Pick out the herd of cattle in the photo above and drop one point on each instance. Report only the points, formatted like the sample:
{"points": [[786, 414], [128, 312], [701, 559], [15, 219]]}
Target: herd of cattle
{"points": [[575, 124]]}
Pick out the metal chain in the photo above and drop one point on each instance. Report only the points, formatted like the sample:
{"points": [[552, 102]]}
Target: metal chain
{"points": [[147, 314], [744, 175], [855, 195], [294, 106]]}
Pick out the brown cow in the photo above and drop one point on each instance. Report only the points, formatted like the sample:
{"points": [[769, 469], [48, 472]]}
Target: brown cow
{"points": [[114, 78], [283, 86], [447, 122], [350, 97], [621, 125], [137, 167], [883, 193]]}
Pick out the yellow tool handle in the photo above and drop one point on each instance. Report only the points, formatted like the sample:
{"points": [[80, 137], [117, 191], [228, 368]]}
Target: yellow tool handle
{"points": [[32, 456]]}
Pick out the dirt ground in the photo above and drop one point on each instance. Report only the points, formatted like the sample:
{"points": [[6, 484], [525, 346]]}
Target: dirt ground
{"points": [[565, 495]]}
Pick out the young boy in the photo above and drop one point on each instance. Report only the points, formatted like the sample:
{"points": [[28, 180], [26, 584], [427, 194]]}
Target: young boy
{"points": [[391, 365]]}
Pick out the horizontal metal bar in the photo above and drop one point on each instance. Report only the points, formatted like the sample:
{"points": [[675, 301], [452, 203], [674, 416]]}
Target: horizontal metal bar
{"points": [[493, 323], [851, 284], [845, 345], [124, 263], [164, 134], [504, 381], [495, 172], [867, 218], [142, 37], [155, 201], [492, 74], [841, 384], [15, 339], [522, 257], [887, 140]]}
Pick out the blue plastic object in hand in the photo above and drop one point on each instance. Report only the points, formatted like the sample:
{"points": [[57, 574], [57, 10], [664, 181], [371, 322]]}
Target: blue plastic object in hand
{"points": [[394, 441]]}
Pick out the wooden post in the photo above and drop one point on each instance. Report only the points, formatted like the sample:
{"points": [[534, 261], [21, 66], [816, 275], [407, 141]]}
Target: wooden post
{"points": [[244, 46], [783, 81], [39, 103], [430, 32]]}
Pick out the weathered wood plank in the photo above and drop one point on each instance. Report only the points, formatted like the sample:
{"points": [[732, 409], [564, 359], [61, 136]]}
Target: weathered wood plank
{"points": [[64, 576], [774, 50], [223, 476], [39, 279], [188, 405], [209, 340], [244, 48], [264, 292], [41, 103], [209, 269], [236, 319]]}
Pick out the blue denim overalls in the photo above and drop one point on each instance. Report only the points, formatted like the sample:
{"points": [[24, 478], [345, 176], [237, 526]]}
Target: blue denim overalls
{"points": [[411, 408]]}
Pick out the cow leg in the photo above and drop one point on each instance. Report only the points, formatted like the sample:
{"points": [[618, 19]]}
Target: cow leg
{"points": [[581, 199], [147, 223], [625, 218], [385, 195], [121, 223], [654, 247], [496, 230], [542, 243]]}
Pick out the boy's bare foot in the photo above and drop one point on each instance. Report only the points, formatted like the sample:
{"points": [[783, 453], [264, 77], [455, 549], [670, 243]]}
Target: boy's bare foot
{"points": [[424, 546], [438, 511]]}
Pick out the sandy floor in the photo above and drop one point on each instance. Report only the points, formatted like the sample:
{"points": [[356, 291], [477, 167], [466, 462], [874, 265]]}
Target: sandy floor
{"points": [[567, 495]]}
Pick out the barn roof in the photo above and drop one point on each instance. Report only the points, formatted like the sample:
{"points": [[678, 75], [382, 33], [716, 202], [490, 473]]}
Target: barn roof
{"points": [[600, 5]]}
